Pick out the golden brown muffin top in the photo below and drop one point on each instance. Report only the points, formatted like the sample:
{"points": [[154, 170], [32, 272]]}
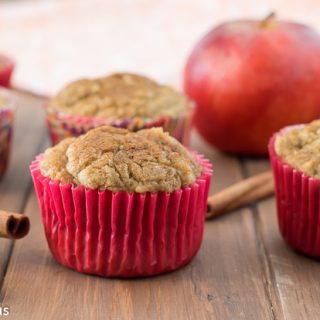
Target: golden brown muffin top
{"points": [[121, 160], [300, 147], [120, 95]]}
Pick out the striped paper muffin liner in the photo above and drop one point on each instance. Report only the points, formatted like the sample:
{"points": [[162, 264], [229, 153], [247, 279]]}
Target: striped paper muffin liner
{"points": [[61, 126], [6, 69], [6, 130], [122, 234], [298, 203]]}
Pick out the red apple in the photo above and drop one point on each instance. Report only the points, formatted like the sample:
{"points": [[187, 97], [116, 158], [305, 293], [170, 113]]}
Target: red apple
{"points": [[250, 78]]}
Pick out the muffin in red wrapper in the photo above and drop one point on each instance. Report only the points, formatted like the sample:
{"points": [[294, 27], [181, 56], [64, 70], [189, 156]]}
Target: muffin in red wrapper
{"points": [[6, 69], [7, 106], [121, 100], [295, 163], [122, 233]]}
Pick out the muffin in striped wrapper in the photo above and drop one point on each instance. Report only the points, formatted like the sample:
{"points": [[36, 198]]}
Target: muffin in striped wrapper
{"points": [[7, 109], [295, 156], [121, 100], [121, 203]]}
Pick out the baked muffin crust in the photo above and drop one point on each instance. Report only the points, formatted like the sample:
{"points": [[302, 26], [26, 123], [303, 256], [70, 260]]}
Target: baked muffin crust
{"points": [[120, 160], [121, 95], [300, 147]]}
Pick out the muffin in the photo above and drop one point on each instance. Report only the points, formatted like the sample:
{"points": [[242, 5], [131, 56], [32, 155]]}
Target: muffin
{"points": [[6, 128], [121, 203], [295, 158], [6, 69], [121, 100]]}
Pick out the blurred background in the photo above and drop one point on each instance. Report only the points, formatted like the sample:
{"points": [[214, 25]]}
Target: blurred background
{"points": [[53, 42]]}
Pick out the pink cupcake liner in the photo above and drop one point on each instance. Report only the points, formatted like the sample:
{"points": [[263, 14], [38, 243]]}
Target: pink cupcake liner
{"points": [[5, 71], [122, 234], [6, 130], [298, 204], [63, 126]]}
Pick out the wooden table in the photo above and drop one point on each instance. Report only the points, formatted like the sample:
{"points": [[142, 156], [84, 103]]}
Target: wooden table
{"points": [[243, 271]]}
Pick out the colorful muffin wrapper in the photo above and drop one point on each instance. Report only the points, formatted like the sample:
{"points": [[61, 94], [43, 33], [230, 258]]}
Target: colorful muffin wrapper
{"points": [[121, 234], [6, 130], [6, 69], [298, 204], [63, 126]]}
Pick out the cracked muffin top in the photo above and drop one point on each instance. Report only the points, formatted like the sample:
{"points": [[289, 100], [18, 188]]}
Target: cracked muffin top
{"points": [[120, 160], [300, 147], [121, 95]]}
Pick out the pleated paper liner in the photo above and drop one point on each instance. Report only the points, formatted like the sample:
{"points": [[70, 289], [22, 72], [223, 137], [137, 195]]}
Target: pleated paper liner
{"points": [[63, 126], [298, 204], [6, 129], [121, 234]]}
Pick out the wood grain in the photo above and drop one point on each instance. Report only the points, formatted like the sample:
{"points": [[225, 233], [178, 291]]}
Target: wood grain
{"points": [[294, 278], [224, 281], [243, 270], [15, 185]]}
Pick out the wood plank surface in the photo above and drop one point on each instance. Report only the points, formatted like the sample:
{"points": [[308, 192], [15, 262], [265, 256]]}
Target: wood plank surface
{"points": [[295, 279], [224, 281], [243, 270], [16, 184]]}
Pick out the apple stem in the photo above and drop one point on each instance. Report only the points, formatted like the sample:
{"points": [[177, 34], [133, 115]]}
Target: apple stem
{"points": [[265, 22]]}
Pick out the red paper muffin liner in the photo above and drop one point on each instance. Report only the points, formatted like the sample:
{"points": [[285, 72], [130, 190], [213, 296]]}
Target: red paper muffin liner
{"points": [[298, 203], [63, 126], [6, 69], [121, 234], [6, 130]]}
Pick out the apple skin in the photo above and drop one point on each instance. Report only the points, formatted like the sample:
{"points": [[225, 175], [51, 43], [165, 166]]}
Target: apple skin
{"points": [[249, 79]]}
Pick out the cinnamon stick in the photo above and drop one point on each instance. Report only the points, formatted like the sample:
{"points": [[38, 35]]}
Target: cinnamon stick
{"points": [[13, 225], [240, 194]]}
